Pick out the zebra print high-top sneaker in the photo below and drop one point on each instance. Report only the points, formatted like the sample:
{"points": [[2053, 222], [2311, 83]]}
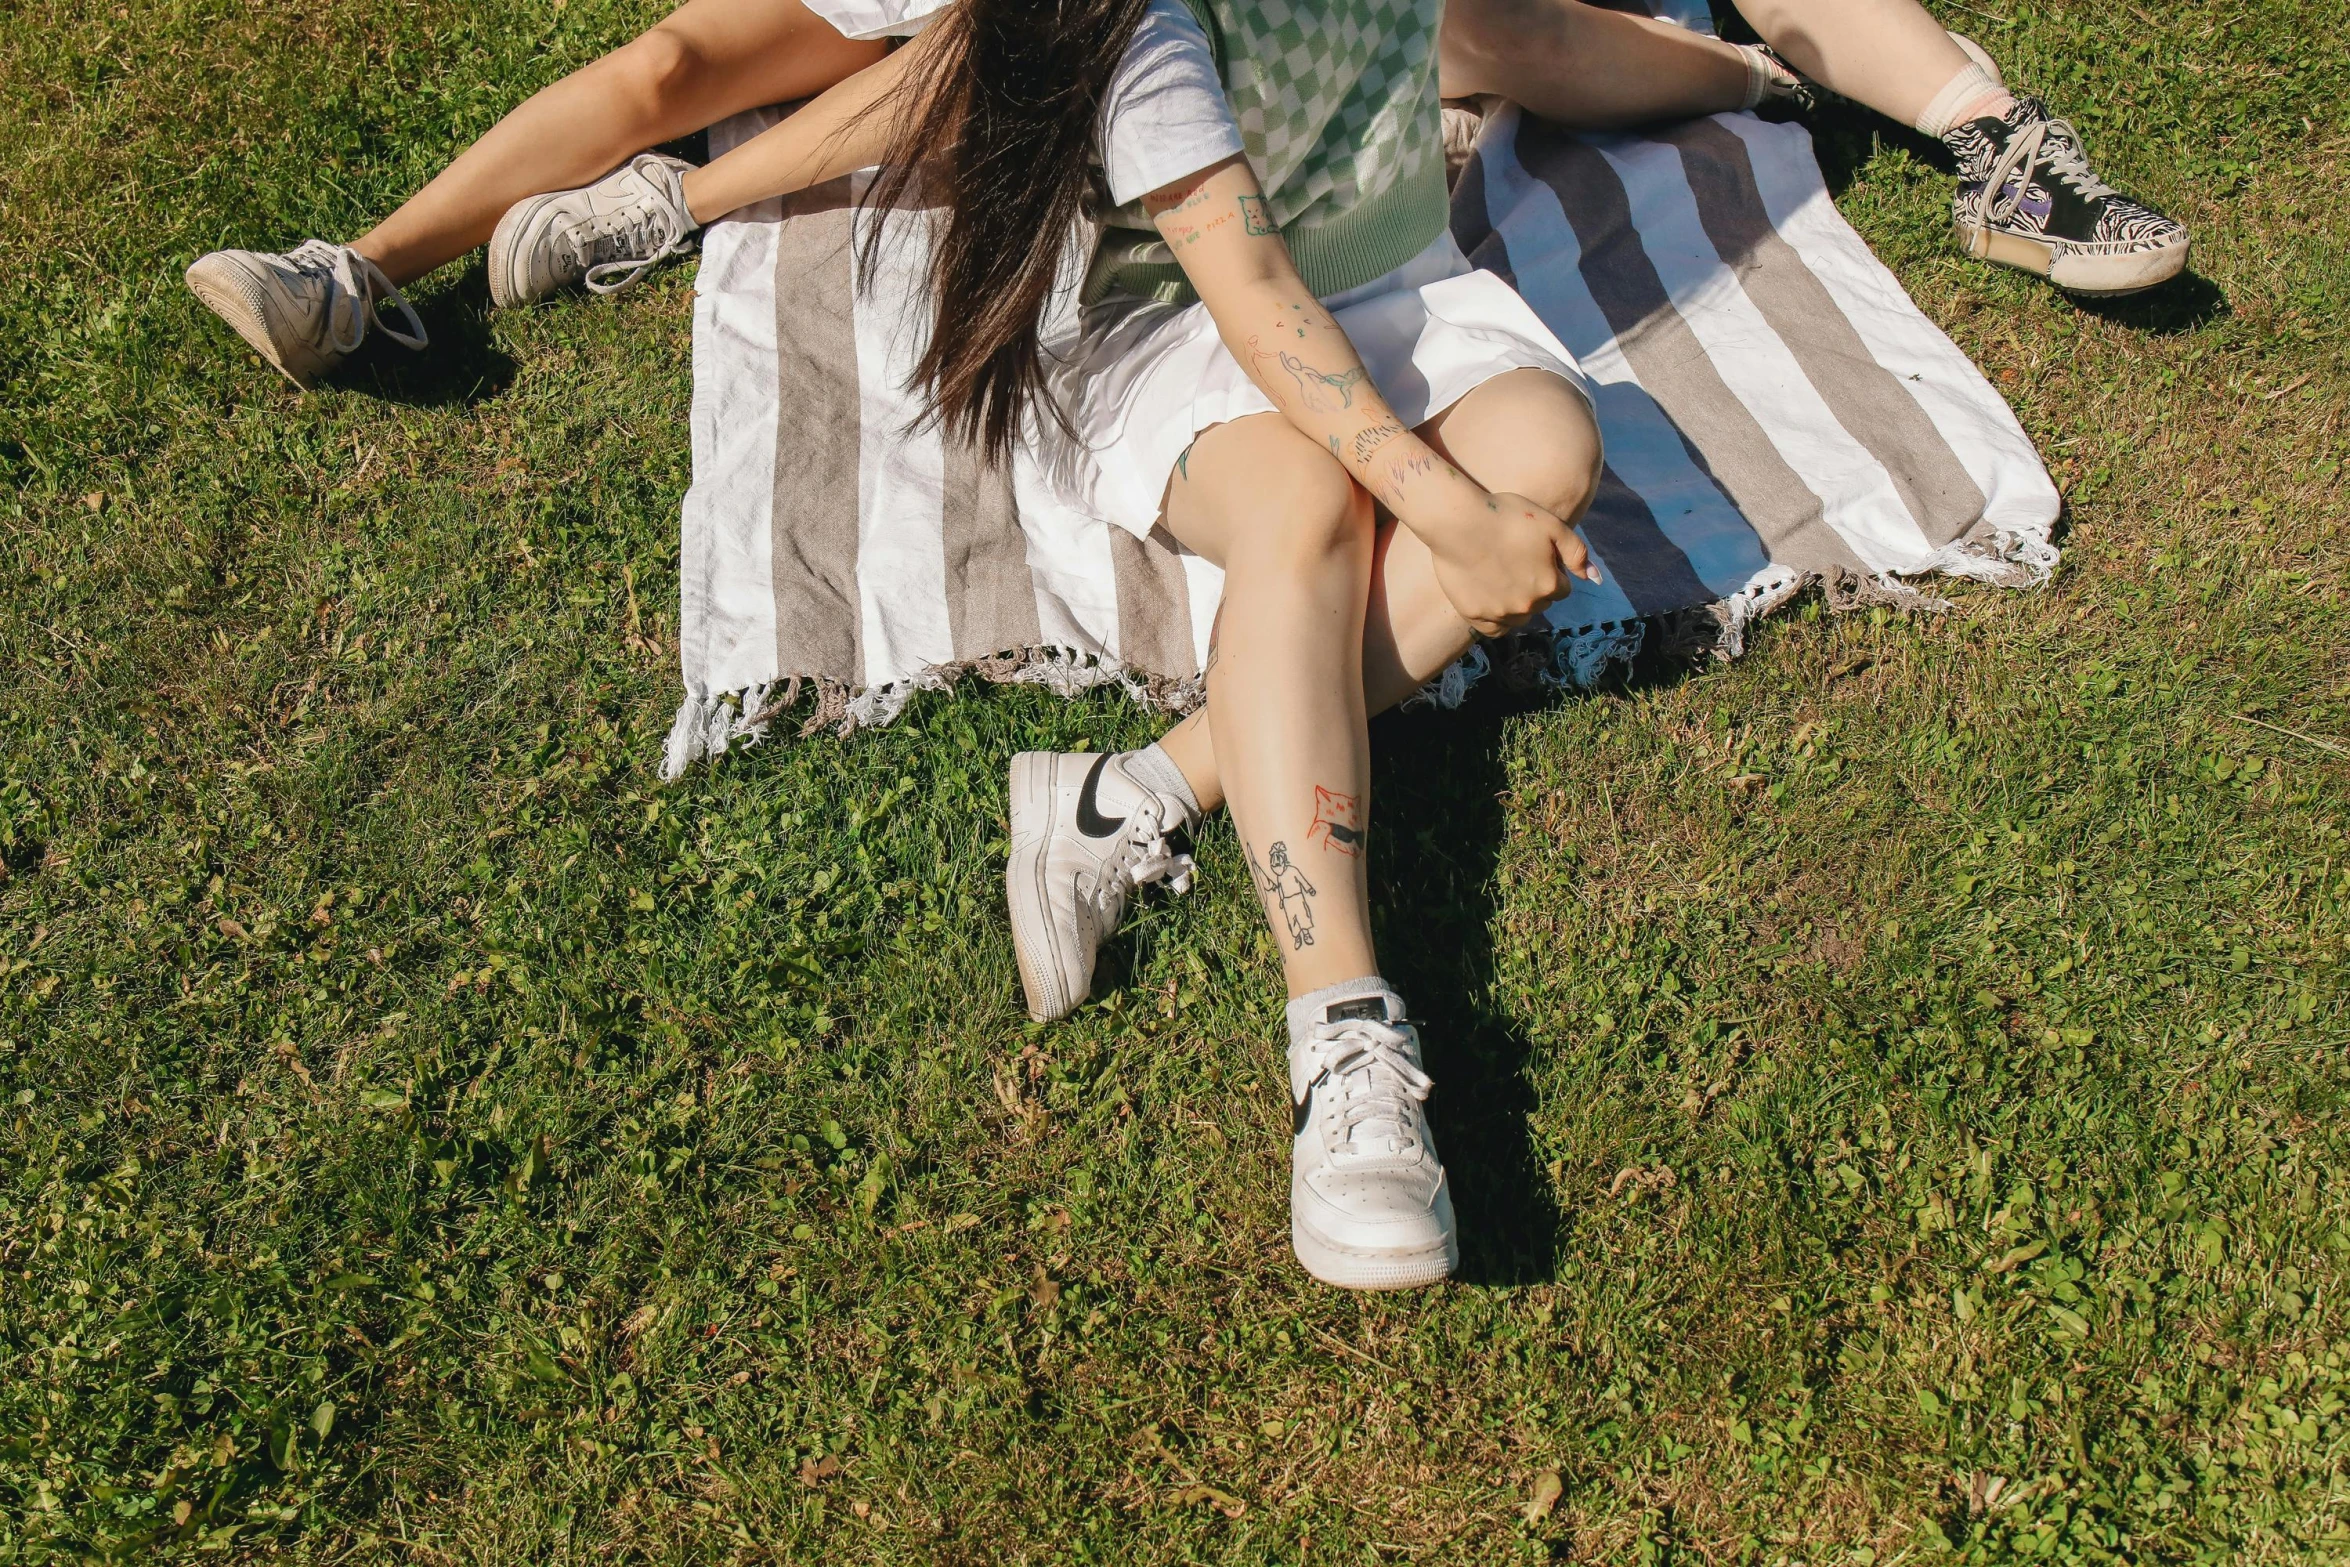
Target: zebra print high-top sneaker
{"points": [[2028, 198]]}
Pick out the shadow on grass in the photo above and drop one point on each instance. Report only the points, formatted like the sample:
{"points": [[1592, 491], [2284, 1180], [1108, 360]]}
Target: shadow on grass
{"points": [[2185, 303], [1439, 780], [461, 368]]}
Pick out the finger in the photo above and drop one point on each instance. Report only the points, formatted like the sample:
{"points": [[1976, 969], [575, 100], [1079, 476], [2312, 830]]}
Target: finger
{"points": [[1574, 556]]}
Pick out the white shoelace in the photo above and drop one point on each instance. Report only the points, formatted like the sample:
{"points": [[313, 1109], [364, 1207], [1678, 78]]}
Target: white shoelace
{"points": [[349, 275], [1142, 856], [1369, 1066], [645, 235], [2050, 145]]}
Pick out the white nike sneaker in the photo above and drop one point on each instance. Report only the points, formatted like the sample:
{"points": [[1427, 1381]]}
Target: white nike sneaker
{"points": [[305, 311], [1369, 1208], [605, 235], [1085, 834]]}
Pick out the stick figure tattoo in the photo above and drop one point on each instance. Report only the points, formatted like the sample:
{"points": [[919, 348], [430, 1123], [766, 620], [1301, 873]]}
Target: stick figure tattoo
{"points": [[1286, 888], [1338, 821]]}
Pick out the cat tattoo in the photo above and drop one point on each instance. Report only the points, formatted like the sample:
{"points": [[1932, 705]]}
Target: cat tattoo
{"points": [[1338, 821]]}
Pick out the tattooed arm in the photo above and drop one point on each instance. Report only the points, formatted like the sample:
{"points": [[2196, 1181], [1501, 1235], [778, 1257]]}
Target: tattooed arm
{"points": [[1498, 556]]}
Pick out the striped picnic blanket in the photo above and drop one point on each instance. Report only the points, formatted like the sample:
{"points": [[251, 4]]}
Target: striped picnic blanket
{"points": [[1775, 412]]}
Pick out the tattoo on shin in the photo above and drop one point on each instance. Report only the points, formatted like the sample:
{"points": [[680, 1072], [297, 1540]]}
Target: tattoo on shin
{"points": [[1338, 821], [1284, 887]]}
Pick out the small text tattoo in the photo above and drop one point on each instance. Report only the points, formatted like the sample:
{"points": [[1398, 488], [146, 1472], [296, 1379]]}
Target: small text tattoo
{"points": [[1285, 887], [1256, 217], [1338, 821]]}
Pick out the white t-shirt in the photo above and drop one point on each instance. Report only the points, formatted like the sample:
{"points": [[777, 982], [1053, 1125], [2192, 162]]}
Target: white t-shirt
{"points": [[1165, 114]]}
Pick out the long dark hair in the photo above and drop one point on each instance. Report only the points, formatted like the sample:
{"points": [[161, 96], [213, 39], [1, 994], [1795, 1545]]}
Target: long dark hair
{"points": [[1000, 126]]}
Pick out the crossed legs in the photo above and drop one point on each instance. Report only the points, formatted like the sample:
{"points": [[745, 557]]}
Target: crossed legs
{"points": [[1328, 618], [1526, 432]]}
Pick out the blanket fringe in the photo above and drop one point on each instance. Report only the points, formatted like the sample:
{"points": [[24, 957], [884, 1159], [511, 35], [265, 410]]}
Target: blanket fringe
{"points": [[709, 723]]}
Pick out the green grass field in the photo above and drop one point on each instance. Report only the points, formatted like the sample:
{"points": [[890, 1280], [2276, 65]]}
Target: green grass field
{"points": [[1894, 1082]]}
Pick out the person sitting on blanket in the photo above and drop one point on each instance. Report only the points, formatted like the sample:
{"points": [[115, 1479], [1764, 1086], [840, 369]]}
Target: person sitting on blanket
{"points": [[1261, 366], [2027, 195]]}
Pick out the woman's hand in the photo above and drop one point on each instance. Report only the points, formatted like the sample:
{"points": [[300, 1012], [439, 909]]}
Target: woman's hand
{"points": [[1501, 561]]}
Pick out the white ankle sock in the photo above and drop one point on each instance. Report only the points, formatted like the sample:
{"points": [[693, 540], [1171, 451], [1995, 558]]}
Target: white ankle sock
{"points": [[1308, 1009], [1153, 768], [1972, 94]]}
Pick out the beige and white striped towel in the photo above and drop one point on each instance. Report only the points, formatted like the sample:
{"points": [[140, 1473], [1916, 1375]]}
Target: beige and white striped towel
{"points": [[1775, 411]]}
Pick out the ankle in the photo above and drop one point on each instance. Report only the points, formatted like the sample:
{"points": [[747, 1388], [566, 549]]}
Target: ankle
{"points": [[1307, 1009], [1971, 95], [1155, 769]]}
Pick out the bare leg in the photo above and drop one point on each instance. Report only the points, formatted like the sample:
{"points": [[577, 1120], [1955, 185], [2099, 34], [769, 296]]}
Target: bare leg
{"points": [[1888, 54], [1293, 532], [1526, 432], [707, 60], [1586, 67]]}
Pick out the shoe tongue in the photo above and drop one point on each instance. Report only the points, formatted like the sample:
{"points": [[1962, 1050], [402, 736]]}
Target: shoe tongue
{"points": [[2022, 112], [1378, 1136]]}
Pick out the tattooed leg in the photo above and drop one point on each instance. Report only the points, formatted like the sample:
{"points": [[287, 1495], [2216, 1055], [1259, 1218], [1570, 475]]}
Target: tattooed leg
{"points": [[1285, 698], [1526, 432]]}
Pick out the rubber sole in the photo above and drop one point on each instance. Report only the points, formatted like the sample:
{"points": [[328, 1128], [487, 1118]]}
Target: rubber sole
{"points": [[1042, 978], [506, 289], [2096, 277], [1350, 1269], [223, 286]]}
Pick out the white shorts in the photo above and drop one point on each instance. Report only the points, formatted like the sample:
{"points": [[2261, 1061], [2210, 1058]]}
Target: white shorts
{"points": [[1143, 378]]}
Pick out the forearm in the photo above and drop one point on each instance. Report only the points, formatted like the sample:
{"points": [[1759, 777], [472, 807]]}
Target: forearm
{"points": [[847, 127], [1302, 360]]}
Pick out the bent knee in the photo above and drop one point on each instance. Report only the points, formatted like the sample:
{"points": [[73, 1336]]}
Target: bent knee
{"points": [[1309, 509], [1557, 466], [664, 67], [1566, 486]]}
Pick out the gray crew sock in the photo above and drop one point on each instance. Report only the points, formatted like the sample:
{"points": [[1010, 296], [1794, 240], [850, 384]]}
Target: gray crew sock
{"points": [[1313, 1007], [1154, 769]]}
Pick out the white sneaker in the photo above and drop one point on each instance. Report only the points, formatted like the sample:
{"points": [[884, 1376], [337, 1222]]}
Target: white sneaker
{"points": [[605, 235], [304, 311], [1085, 834], [1369, 1208]]}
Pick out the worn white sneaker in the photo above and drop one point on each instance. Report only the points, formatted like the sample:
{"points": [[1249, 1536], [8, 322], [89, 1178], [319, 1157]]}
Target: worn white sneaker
{"points": [[304, 311], [1369, 1208], [1085, 834], [605, 235]]}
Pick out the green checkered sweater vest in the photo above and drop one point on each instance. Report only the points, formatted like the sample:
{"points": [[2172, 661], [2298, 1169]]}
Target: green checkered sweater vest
{"points": [[1338, 114]]}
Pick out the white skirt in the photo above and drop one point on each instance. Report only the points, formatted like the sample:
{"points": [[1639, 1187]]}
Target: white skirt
{"points": [[1142, 379]]}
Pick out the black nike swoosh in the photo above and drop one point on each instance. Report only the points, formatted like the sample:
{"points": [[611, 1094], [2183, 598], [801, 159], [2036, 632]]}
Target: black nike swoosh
{"points": [[1090, 820], [1299, 1114]]}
